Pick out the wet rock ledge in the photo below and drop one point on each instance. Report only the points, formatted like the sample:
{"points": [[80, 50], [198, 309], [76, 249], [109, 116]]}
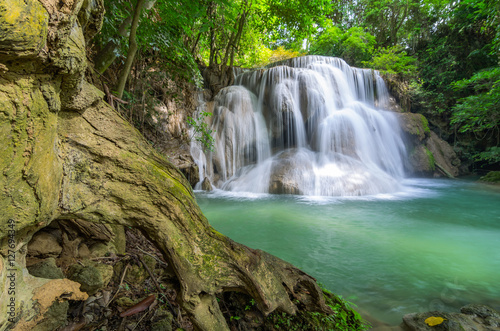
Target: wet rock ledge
{"points": [[473, 317]]}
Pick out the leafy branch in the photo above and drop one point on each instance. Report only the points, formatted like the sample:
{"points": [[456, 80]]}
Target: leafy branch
{"points": [[201, 131]]}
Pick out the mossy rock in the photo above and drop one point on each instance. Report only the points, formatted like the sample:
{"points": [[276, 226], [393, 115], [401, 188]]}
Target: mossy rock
{"points": [[431, 160], [125, 302], [106, 272], [136, 274], [163, 325], [102, 249], [23, 27], [89, 277], [491, 177], [46, 269], [119, 240], [55, 317]]}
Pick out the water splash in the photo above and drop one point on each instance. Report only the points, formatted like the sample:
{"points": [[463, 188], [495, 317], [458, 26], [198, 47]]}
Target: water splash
{"points": [[310, 125]]}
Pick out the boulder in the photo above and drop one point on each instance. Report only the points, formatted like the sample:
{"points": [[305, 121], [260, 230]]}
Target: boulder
{"points": [[472, 318], [428, 155], [206, 185], [491, 177], [445, 158], [188, 167], [288, 173], [44, 244], [55, 317], [101, 249], [46, 269], [92, 276]]}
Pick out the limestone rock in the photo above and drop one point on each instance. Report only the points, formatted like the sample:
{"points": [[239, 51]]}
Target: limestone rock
{"points": [[289, 173], [44, 244], [206, 185], [188, 167], [445, 157], [421, 161], [46, 269], [482, 311], [415, 126], [119, 240], [428, 154], [106, 272]]}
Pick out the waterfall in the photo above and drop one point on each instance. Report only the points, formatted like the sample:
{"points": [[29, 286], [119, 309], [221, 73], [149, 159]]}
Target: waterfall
{"points": [[311, 125]]}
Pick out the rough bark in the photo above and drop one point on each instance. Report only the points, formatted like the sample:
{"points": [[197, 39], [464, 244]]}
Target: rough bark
{"points": [[66, 154]]}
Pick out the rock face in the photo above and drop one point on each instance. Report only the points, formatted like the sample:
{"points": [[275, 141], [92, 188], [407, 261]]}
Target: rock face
{"points": [[286, 171], [65, 154], [472, 317], [428, 154]]}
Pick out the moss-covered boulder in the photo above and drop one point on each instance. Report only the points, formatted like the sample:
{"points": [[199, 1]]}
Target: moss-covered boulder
{"points": [[428, 155], [491, 177], [89, 277], [46, 269]]}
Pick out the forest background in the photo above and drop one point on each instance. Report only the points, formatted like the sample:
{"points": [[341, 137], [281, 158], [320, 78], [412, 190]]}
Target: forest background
{"points": [[439, 58]]}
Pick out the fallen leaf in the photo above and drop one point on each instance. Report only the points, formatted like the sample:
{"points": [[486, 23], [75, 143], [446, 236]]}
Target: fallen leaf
{"points": [[432, 321]]}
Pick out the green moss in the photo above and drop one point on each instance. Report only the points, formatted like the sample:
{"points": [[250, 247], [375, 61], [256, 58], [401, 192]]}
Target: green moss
{"points": [[432, 161], [23, 27], [343, 317], [425, 125], [491, 177]]}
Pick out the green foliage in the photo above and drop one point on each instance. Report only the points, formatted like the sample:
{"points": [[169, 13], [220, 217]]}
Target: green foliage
{"points": [[479, 113], [290, 21], [353, 45], [393, 60], [491, 155], [201, 131], [491, 177]]}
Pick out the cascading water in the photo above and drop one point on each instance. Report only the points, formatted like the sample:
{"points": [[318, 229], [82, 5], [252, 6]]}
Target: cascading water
{"points": [[310, 125]]}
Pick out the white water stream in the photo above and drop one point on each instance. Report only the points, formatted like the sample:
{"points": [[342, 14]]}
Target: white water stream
{"points": [[310, 125]]}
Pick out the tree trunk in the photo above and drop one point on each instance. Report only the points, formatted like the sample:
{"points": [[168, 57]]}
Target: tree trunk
{"points": [[108, 53], [132, 49], [67, 155]]}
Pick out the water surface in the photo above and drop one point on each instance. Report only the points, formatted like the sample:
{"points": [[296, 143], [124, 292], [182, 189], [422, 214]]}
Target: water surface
{"points": [[434, 245]]}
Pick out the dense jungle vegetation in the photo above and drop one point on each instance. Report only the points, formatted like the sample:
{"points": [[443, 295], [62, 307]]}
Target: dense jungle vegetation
{"points": [[441, 57]]}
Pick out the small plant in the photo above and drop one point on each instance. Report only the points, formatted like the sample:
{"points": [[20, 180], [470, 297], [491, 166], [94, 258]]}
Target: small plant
{"points": [[201, 132], [252, 303], [125, 286]]}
